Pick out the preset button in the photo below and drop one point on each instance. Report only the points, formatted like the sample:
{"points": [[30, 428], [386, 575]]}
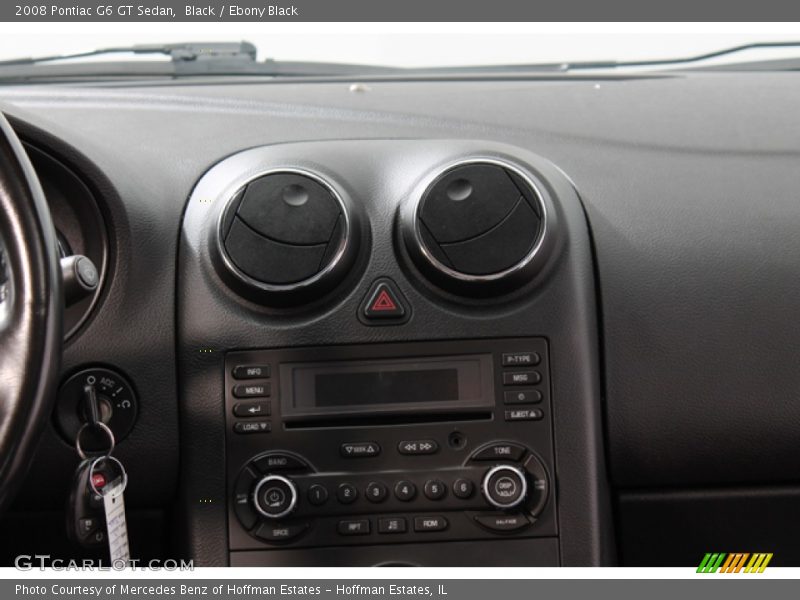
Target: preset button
{"points": [[405, 490], [346, 493]]}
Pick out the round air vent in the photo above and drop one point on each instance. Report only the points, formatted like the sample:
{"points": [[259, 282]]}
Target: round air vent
{"points": [[286, 236], [478, 226]]}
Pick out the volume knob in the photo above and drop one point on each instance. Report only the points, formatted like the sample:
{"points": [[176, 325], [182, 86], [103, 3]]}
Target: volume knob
{"points": [[275, 496], [504, 486]]}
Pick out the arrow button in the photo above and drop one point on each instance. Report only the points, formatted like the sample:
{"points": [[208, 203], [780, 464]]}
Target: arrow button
{"points": [[413, 447], [252, 409]]}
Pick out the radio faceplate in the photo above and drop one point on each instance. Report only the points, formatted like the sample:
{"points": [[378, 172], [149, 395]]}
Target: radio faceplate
{"points": [[308, 466]]}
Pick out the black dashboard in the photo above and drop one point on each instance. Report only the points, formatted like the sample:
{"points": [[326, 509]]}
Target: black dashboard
{"points": [[537, 321]]}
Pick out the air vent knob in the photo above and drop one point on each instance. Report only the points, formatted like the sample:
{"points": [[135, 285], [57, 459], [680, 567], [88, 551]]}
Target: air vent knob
{"points": [[285, 237], [477, 228]]}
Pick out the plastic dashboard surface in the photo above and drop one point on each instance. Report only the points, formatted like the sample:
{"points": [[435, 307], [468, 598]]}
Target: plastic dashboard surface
{"points": [[689, 184]]}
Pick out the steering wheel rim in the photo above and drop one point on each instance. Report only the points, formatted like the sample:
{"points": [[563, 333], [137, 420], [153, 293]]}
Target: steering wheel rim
{"points": [[31, 312]]}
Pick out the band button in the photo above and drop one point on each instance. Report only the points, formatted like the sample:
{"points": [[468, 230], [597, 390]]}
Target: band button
{"points": [[278, 462]]}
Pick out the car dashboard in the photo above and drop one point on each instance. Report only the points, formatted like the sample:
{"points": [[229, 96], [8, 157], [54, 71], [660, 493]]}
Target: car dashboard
{"points": [[486, 321]]}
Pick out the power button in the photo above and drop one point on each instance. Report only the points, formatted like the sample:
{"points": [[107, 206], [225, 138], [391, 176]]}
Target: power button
{"points": [[275, 496]]}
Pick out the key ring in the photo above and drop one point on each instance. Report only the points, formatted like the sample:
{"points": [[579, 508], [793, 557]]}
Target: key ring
{"points": [[121, 470], [111, 441]]}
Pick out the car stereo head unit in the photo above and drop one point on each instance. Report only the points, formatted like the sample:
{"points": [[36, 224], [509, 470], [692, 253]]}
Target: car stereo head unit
{"points": [[390, 443]]}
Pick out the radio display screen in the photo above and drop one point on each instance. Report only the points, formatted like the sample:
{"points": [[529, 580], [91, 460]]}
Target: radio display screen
{"points": [[386, 385]]}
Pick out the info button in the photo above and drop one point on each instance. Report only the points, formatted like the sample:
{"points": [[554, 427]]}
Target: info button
{"points": [[359, 449]]}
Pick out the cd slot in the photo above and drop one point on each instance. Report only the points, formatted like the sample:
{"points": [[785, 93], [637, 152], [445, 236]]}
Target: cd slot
{"points": [[387, 420]]}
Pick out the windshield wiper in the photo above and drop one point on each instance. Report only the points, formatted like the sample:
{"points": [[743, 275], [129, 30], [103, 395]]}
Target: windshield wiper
{"points": [[190, 51], [697, 58], [187, 59]]}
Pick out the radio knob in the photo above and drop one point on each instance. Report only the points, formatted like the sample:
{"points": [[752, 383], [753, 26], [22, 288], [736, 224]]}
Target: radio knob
{"points": [[504, 486], [275, 496]]}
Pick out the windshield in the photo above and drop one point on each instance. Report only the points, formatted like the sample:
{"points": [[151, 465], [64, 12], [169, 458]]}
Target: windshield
{"points": [[415, 46]]}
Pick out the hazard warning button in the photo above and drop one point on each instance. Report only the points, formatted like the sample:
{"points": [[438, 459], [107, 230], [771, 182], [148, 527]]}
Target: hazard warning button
{"points": [[383, 304]]}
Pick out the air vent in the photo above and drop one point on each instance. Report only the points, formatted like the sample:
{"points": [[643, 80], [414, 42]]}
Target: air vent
{"points": [[287, 233], [477, 226]]}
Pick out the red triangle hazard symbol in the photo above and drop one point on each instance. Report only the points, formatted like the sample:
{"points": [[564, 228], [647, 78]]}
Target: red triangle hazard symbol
{"points": [[383, 302]]}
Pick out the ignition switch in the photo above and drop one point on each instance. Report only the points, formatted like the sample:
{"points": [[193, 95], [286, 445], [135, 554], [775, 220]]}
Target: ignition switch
{"points": [[116, 402]]}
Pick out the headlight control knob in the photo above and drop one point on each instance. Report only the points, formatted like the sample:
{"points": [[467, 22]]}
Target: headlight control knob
{"points": [[504, 486], [275, 496]]}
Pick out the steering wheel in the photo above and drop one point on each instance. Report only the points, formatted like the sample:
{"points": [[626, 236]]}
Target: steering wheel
{"points": [[31, 312]]}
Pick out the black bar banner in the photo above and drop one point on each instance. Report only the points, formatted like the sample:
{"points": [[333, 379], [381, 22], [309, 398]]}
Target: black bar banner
{"points": [[405, 11]]}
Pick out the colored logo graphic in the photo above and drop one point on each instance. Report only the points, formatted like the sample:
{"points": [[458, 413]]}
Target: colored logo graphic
{"points": [[736, 562]]}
